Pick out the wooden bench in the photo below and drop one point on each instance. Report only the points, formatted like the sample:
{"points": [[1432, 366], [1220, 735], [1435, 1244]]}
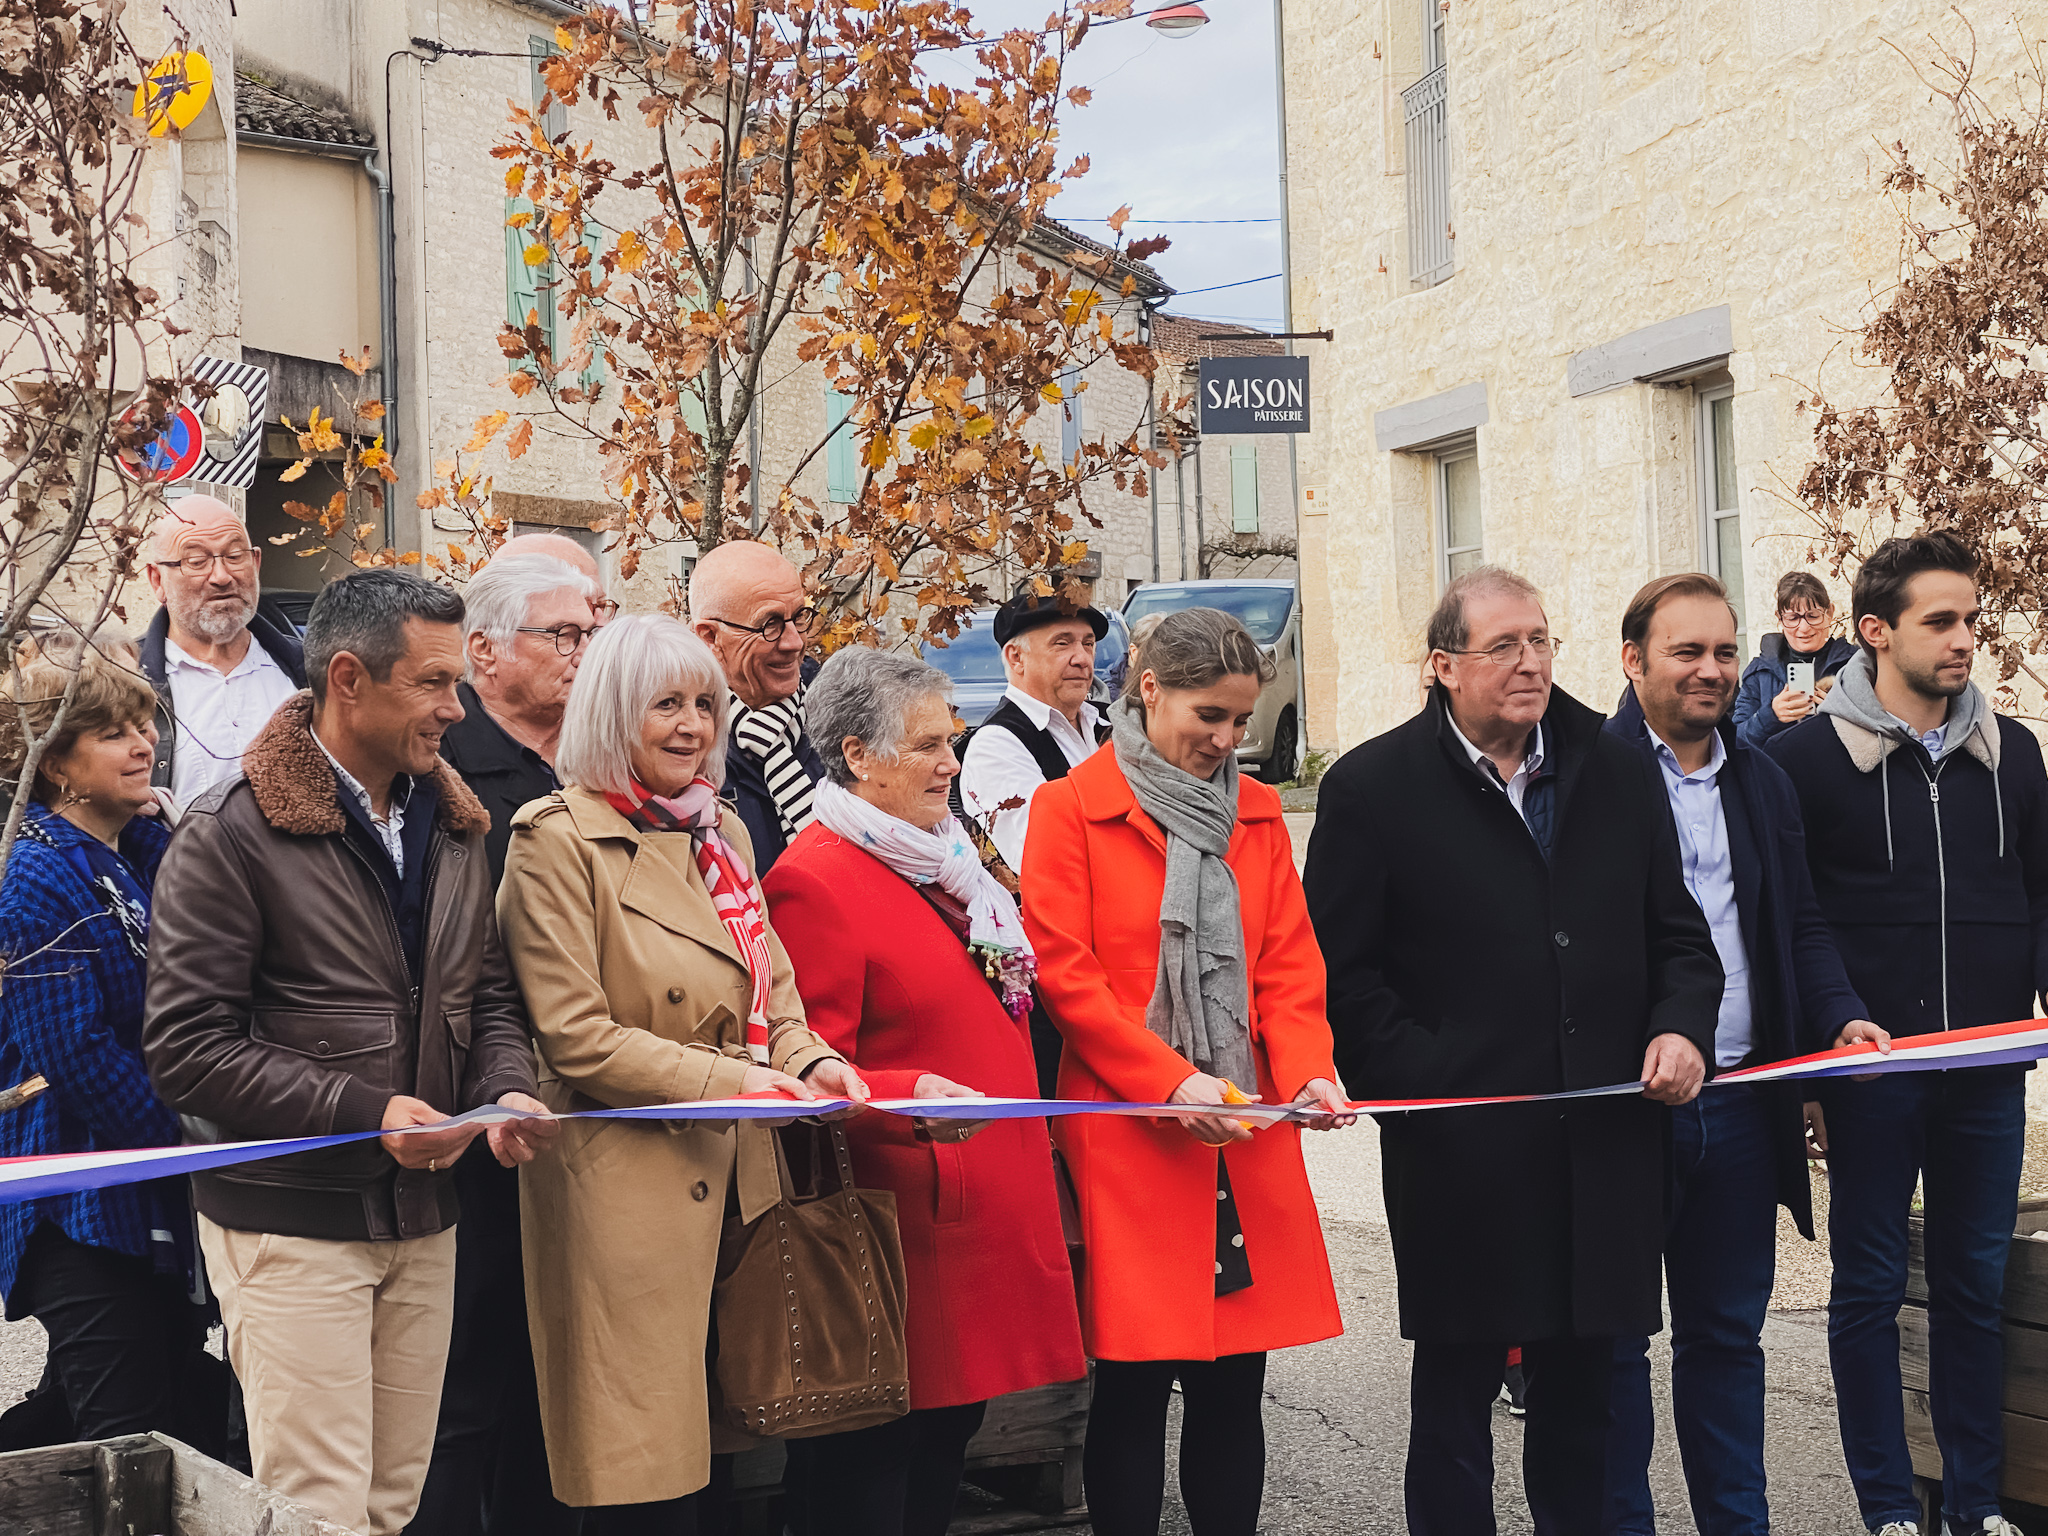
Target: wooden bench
{"points": [[2026, 1367], [141, 1485]]}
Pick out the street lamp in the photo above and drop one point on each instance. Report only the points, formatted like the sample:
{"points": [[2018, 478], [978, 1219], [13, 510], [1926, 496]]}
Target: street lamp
{"points": [[1177, 20]]}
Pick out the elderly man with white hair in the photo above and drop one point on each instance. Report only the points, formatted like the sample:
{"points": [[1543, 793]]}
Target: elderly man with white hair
{"points": [[219, 660], [747, 603], [528, 622]]}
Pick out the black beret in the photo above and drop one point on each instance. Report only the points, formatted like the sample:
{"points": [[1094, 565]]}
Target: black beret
{"points": [[1028, 611]]}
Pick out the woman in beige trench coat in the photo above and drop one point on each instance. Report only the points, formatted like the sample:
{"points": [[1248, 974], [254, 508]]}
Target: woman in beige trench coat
{"points": [[640, 993]]}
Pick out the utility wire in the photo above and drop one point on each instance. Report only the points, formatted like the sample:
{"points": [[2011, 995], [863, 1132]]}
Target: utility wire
{"points": [[1219, 287]]}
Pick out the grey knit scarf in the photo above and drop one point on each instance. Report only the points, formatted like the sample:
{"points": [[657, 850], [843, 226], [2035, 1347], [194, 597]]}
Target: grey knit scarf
{"points": [[1201, 1005]]}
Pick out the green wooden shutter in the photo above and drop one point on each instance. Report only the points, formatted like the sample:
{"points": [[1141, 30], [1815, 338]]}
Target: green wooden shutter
{"points": [[1244, 488], [528, 289], [1070, 415], [842, 462], [592, 378], [556, 120]]}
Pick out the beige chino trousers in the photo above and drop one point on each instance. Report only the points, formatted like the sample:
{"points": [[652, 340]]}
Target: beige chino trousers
{"points": [[339, 1348]]}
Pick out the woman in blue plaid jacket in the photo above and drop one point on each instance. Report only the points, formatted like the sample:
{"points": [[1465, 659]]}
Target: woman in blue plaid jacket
{"points": [[105, 1271]]}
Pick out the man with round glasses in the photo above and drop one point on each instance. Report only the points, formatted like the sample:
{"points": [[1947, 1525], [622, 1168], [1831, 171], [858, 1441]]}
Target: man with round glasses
{"points": [[747, 603], [220, 661], [1497, 892]]}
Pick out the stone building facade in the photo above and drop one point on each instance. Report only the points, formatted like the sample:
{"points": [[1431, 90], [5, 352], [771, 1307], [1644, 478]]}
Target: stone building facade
{"points": [[1230, 502], [338, 93], [1582, 260]]}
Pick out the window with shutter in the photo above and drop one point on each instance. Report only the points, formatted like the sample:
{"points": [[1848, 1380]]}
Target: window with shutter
{"points": [[1244, 488], [1070, 415], [529, 285], [555, 122], [842, 460]]}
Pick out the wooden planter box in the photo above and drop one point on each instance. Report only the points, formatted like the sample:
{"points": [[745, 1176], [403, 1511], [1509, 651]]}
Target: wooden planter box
{"points": [[2026, 1363], [141, 1485]]}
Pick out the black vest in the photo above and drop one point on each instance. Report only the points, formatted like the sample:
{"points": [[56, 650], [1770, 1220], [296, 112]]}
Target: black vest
{"points": [[1045, 752]]}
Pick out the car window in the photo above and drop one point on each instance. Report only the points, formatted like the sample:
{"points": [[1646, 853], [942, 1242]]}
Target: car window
{"points": [[1262, 610], [1109, 650], [972, 656]]}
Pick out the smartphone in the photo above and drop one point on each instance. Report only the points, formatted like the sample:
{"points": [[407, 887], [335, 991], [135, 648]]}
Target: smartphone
{"points": [[1799, 676]]}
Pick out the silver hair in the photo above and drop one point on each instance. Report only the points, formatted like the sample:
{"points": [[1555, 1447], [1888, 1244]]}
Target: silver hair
{"points": [[498, 598], [634, 661], [868, 695]]}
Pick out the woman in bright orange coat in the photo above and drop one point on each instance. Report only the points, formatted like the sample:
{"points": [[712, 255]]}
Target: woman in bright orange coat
{"points": [[1174, 953]]}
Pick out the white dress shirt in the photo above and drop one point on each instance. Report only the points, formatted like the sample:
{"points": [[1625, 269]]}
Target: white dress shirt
{"points": [[218, 714], [1518, 786], [1709, 868], [1000, 768]]}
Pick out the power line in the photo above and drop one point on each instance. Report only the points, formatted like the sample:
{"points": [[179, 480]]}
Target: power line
{"points": [[1072, 220], [1219, 287]]}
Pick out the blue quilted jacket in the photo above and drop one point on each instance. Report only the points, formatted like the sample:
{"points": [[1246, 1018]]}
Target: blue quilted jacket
{"points": [[71, 1010]]}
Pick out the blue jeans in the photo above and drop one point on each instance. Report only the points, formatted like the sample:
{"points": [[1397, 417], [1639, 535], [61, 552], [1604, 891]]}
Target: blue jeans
{"points": [[1720, 1254], [1963, 1131]]}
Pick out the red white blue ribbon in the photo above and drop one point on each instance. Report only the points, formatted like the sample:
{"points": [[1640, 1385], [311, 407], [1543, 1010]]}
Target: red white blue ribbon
{"points": [[63, 1173]]}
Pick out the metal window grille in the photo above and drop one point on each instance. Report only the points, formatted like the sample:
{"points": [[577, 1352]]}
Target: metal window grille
{"points": [[1429, 179]]}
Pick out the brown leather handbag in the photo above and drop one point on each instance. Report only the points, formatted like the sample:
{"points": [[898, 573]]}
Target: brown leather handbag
{"points": [[809, 1301]]}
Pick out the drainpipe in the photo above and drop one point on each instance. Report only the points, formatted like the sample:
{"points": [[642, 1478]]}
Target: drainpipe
{"points": [[1151, 431], [1201, 536]]}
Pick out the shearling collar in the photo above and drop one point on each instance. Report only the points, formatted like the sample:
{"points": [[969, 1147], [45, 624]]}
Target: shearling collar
{"points": [[296, 790], [1868, 748]]}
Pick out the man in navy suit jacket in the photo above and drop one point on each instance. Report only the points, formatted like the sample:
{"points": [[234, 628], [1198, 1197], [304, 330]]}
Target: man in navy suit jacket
{"points": [[1739, 1152]]}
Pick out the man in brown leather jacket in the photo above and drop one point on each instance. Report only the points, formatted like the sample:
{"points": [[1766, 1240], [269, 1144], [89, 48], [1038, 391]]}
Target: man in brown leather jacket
{"points": [[325, 959]]}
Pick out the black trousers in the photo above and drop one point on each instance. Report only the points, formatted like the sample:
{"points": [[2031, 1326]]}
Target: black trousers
{"points": [[1452, 1388], [127, 1348], [893, 1479], [490, 1466], [1222, 1444]]}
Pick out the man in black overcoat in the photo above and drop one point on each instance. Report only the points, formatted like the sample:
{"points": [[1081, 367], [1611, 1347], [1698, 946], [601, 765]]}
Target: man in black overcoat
{"points": [[1496, 889]]}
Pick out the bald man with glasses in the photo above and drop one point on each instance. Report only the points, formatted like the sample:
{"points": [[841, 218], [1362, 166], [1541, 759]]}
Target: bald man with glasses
{"points": [[219, 659], [747, 603]]}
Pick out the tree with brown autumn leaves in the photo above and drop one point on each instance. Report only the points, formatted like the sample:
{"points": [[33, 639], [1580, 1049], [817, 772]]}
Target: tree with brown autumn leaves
{"points": [[87, 367], [1959, 438], [806, 178]]}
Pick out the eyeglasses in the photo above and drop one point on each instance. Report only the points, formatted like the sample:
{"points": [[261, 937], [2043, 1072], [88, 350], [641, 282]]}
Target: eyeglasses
{"points": [[1508, 653], [1804, 618], [567, 637], [771, 628], [198, 564]]}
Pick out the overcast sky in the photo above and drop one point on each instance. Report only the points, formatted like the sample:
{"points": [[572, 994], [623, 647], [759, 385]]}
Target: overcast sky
{"points": [[1179, 128]]}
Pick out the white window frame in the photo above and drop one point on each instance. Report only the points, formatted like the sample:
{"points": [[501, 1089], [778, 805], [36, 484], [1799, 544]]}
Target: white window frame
{"points": [[1712, 515], [1439, 482]]}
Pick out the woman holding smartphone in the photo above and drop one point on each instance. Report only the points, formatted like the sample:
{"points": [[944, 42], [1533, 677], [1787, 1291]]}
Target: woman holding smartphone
{"points": [[1795, 668]]}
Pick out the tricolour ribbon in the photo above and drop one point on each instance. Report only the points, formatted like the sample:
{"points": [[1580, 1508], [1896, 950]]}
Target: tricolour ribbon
{"points": [[63, 1173]]}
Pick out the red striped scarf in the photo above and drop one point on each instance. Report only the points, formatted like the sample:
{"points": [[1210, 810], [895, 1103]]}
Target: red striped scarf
{"points": [[735, 894]]}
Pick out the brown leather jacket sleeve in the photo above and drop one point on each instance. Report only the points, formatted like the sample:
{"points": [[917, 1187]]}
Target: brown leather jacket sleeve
{"points": [[500, 1047], [207, 930]]}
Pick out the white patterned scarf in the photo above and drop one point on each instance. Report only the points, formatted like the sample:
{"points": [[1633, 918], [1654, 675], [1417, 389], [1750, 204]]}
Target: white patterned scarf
{"points": [[943, 857], [769, 736]]}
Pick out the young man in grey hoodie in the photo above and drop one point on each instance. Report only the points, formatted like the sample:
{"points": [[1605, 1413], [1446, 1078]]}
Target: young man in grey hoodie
{"points": [[1927, 832]]}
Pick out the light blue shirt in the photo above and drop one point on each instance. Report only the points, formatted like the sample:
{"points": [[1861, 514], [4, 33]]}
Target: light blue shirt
{"points": [[1933, 740], [1709, 868]]}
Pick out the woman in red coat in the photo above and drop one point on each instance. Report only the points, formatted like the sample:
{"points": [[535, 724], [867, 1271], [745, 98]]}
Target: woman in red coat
{"points": [[1175, 954], [913, 963]]}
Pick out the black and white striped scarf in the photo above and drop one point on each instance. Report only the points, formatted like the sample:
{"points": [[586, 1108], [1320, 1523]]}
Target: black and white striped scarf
{"points": [[769, 736]]}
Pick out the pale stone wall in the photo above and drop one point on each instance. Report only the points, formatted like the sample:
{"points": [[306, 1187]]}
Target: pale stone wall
{"points": [[1614, 163]]}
